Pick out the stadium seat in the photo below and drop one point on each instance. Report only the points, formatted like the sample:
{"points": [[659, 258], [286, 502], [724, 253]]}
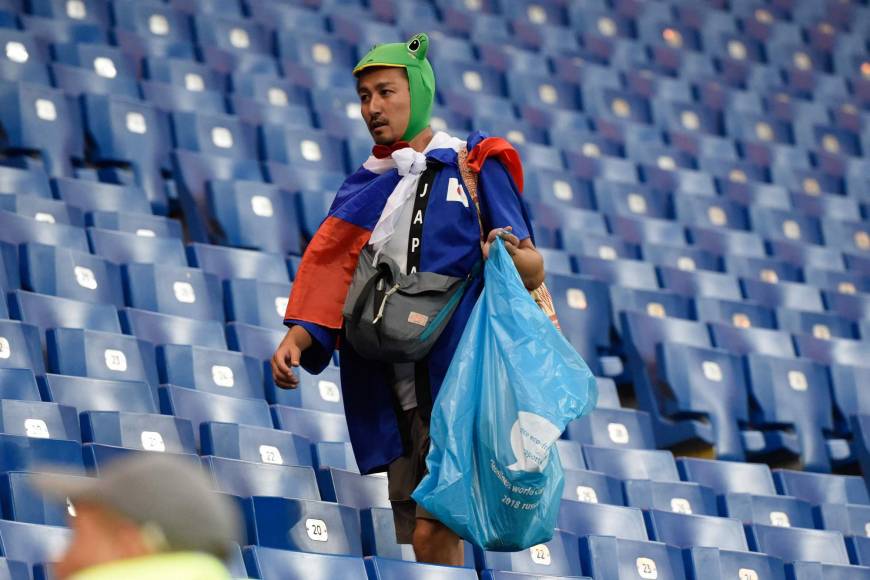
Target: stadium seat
{"points": [[87, 394], [98, 458], [700, 283], [253, 341], [33, 543], [818, 324], [127, 248], [627, 273], [618, 428], [743, 341], [726, 477], [226, 263], [849, 520], [24, 58], [168, 98], [16, 229], [245, 479], [303, 148], [187, 292], [255, 444], [624, 464], [39, 454], [721, 564], [386, 569], [303, 525], [70, 274], [39, 419], [794, 544], [684, 498], [831, 351], [160, 329], [783, 295], [40, 209], [52, 312], [20, 346], [612, 558], [315, 425], [768, 510], [255, 215], [216, 371], [277, 564], [22, 502], [320, 392], [682, 258], [846, 385], [379, 536], [583, 519], [653, 302], [352, 489], [334, 454], [141, 431], [100, 355], [18, 384], [92, 196], [266, 310], [689, 531], [818, 488], [558, 557], [143, 225], [591, 487], [200, 407]]}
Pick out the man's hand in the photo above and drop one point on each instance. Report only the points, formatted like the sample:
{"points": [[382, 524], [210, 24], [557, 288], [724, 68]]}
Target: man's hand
{"points": [[526, 258], [511, 242], [287, 355]]}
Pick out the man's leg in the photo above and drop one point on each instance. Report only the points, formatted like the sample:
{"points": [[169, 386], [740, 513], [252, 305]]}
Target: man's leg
{"points": [[435, 543]]}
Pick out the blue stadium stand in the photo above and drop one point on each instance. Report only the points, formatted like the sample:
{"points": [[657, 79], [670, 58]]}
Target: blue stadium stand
{"points": [[188, 292], [352, 489], [143, 225], [727, 477], [87, 394], [276, 564], [98, 458], [303, 525], [38, 454], [91, 196], [255, 444], [44, 210], [592, 487], [215, 371], [18, 384], [245, 479], [16, 229]]}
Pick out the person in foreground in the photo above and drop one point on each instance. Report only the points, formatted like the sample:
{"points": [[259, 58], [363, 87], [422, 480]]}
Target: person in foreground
{"points": [[379, 206], [148, 517]]}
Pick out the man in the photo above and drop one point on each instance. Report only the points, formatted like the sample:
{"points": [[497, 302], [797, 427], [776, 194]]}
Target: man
{"points": [[149, 517], [388, 405]]}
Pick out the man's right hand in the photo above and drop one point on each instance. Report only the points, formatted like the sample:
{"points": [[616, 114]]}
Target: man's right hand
{"points": [[287, 356]]}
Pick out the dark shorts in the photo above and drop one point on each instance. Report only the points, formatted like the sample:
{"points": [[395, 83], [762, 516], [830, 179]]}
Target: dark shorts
{"points": [[406, 472]]}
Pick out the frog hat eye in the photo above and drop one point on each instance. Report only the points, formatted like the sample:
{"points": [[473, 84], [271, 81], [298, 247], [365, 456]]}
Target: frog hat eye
{"points": [[414, 45]]}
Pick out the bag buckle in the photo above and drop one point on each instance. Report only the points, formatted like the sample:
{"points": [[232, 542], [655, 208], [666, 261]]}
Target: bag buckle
{"points": [[387, 294]]}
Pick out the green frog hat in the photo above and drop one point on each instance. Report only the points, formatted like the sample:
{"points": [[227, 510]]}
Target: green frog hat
{"points": [[411, 56]]}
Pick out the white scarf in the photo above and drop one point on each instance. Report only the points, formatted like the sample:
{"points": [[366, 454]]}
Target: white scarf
{"points": [[411, 164]]}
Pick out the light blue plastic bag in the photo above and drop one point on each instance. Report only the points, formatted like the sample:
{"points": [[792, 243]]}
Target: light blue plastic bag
{"points": [[514, 384]]}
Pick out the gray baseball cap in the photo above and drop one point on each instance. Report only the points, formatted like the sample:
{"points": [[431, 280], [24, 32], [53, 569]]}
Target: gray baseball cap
{"points": [[170, 493]]}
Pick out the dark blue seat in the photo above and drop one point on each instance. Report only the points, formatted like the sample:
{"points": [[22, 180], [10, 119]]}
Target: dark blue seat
{"points": [[570, 454], [474, 78], [266, 309], [22, 502], [710, 382], [627, 273], [16, 229], [850, 236], [712, 563], [227, 263], [618, 428], [100, 355], [761, 268], [334, 454], [128, 248], [818, 488], [728, 477], [846, 385], [352, 489], [25, 58], [781, 224], [598, 246], [160, 329], [385, 569], [255, 215], [832, 351], [253, 341], [303, 148], [254, 444], [276, 564], [169, 98], [631, 200], [143, 225], [311, 48], [700, 283], [677, 497], [98, 458], [52, 312], [303, 525], [656, 465], [38, 419], [313, 208], [41, 209], [20, 346], [70, 274], [193, 76], [200, 407], [783, 295], [725, 242], [795, 544], [835, 280], [38, 454], [742, 341], [33, 543], [849, 520], [610, 558], [42, 120], [681, 258], [315, 425], [584, 519], [819, 324], [187, 292], [151, 20], [18, 384], [218, 371], [219, 135], [591, 487], [246, 479], [232, 34], [654, 302], [315, 392], [379, 536], [86, 394], [92, 196], [689, 531], [142, 431], [558, 557], [773, 510], [25, 181]]}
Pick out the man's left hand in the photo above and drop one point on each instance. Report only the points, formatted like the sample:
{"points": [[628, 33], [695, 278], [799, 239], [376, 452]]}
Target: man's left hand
{"points": [[511, 242]]}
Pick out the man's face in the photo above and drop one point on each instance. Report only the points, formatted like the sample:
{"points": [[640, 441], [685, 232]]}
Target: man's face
{"points": [[385, 101], [99, 537]]}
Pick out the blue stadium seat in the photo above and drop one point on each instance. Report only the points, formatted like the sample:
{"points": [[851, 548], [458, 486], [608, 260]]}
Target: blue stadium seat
{"points": [[178, 98], [591, 487], [818, 488], [219, 135], [267, 310], [37, 454], [653, 302], [721, 564], [849, 520], [677, 497], [230, 34], [315, 392], [656, 465], [254, 444], [583, 519], [303, 525], [629, 200], [832, 351], [86, 394], [100, 355], [760, 268], [352, 489], [70, 274], [723, 242], [142, 431], [42, 120], [255, 215], [768, 510], [688, 531], [253, 341], [18, 384], [151, 19], [188, 292], [199, 407], [52, 312], [16, 229], [92, 196], [20, 346], [794, 392], [859, 550], [558, 557], [192, 75], [24, 58], [610, 558], [143, 225], [160, 329], [710, 382], [846, 385], [246, 479], [93, 68], [794, 544], [334, 454], [25, 181], [783, 295], [275, 564], [627, 273], [315, 425], [40, 209], [302, 148], [818, 324], [38, 419], [598, 246], [226, 263], [618, 428], [727, 477], [386, 569], [127, 248], [313, 208], [22, 502], [33, 543], [217, 371], [699, 283], [98, 458], [379, 536]]}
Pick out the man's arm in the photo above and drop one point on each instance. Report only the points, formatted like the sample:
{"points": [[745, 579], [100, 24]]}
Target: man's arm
{"points": [[527, 259]]}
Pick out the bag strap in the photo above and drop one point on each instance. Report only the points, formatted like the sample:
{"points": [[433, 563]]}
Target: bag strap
{"points": [[469, 177]]}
